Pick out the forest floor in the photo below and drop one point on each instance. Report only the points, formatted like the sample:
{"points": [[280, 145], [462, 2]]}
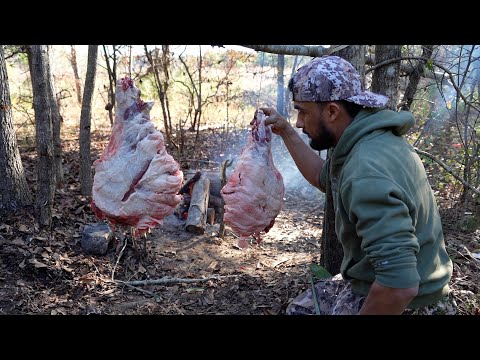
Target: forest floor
{"points": [[45, 271]]}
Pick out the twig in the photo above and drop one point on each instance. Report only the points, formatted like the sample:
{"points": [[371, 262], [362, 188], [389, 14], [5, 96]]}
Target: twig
{"points": [[448, 169], [118, 259], [469, 259], [135, 288], [165, 280]]}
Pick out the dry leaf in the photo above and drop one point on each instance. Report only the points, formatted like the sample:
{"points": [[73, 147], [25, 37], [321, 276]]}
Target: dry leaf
{"points": [[141, 269], [194, 290], [18, 242], [23, 228], [87, 279], [37, 263], [22, 264]]}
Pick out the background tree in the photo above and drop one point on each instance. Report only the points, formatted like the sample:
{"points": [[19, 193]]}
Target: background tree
{"points": [[280, 83], [385, 78], [42, 104], [86, 178], [73, 62], [56, 125], [14, 191]]}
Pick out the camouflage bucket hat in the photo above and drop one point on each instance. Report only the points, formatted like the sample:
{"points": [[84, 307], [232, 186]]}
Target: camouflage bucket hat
{"points": [[332, 78]]}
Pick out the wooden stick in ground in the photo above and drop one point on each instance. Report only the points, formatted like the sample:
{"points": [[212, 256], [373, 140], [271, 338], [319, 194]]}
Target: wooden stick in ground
{"points": [[221, 211], [197, 212]]}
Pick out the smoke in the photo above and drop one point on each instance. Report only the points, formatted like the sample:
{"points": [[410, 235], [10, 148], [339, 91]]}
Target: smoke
{"points": [[295, 183], [464, 63]]}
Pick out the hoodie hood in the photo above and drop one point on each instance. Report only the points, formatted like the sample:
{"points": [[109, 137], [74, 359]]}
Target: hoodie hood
{"points": [[366, 123]]}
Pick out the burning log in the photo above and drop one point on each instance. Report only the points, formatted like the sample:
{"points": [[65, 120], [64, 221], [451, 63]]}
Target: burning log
{"points": [[187, 188], [197, 213]]}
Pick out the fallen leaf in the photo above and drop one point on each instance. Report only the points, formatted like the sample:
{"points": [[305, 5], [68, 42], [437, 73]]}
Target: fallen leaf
{"points": [[22, 264], [107, 292], [194, 290], [23, 228], [37, 263], [87, 279], [18, 242], [141, 269]]}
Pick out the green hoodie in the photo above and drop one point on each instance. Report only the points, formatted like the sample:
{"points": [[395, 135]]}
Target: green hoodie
{"points": [[386, 217]]}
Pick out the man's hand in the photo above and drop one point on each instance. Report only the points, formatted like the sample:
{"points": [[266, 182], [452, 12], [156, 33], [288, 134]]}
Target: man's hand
{"points": [[382, 300], [279, 124]]}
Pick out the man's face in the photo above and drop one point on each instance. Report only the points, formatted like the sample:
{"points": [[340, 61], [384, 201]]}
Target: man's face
{"points": [[311, 118]]}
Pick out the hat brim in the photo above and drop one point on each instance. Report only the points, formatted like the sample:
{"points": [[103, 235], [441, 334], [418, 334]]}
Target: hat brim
{"points": [[369, 99]]}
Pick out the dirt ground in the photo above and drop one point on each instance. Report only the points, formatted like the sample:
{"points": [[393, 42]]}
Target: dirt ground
{"points": [[45, 271]]}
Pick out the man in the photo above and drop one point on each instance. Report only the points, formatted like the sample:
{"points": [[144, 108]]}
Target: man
{"points": [[386, 216]]}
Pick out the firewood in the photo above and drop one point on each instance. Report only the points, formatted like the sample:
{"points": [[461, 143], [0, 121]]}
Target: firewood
{"points": [[211, 216], [197, 213]]}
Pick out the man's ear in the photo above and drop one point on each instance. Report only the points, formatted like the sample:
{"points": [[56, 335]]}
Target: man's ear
{"points": [[333, 111]]}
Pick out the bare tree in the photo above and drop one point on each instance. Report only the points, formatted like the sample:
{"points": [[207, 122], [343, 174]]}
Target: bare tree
{"points": [[56, 124], [414, 78], [14, 191], [111, 62], [73, 62], [41, 86], [162, 86], [86, 178]]}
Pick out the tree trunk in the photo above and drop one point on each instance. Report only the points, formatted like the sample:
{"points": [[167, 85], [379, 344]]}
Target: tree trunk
{"points": [[39, 69], [385, 78], [280, 86], [14, 191], [86, 176], [56, 124], [331, 249], [73, 61], [414, 78]]}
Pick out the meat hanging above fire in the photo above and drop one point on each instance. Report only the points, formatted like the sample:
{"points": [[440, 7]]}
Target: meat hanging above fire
{"points": [[136, 181], [254, 192]]}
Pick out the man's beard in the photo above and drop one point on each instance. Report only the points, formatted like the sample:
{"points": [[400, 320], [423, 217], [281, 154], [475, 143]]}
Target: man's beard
{"points": [[322, 142]]}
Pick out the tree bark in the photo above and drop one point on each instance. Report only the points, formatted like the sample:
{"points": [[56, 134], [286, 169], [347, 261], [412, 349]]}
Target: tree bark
{"points": [[86, 175], [280, 86], [331, 249], [385, 78], [73, 62], [38, 62], [414, 78], [14, 191], [197, 212], [56, 124]]}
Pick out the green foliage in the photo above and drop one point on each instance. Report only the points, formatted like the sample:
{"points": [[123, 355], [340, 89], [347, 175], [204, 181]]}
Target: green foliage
{"points": [[319, 271]]}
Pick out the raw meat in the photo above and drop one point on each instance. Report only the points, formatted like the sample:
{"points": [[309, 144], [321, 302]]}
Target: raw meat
{"points": [[136, 181], [254, 192]]}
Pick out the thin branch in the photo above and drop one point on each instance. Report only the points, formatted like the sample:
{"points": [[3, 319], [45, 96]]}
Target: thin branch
{"points": [[304, 50], [165, 280], [448, 169], [448, 72]]}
